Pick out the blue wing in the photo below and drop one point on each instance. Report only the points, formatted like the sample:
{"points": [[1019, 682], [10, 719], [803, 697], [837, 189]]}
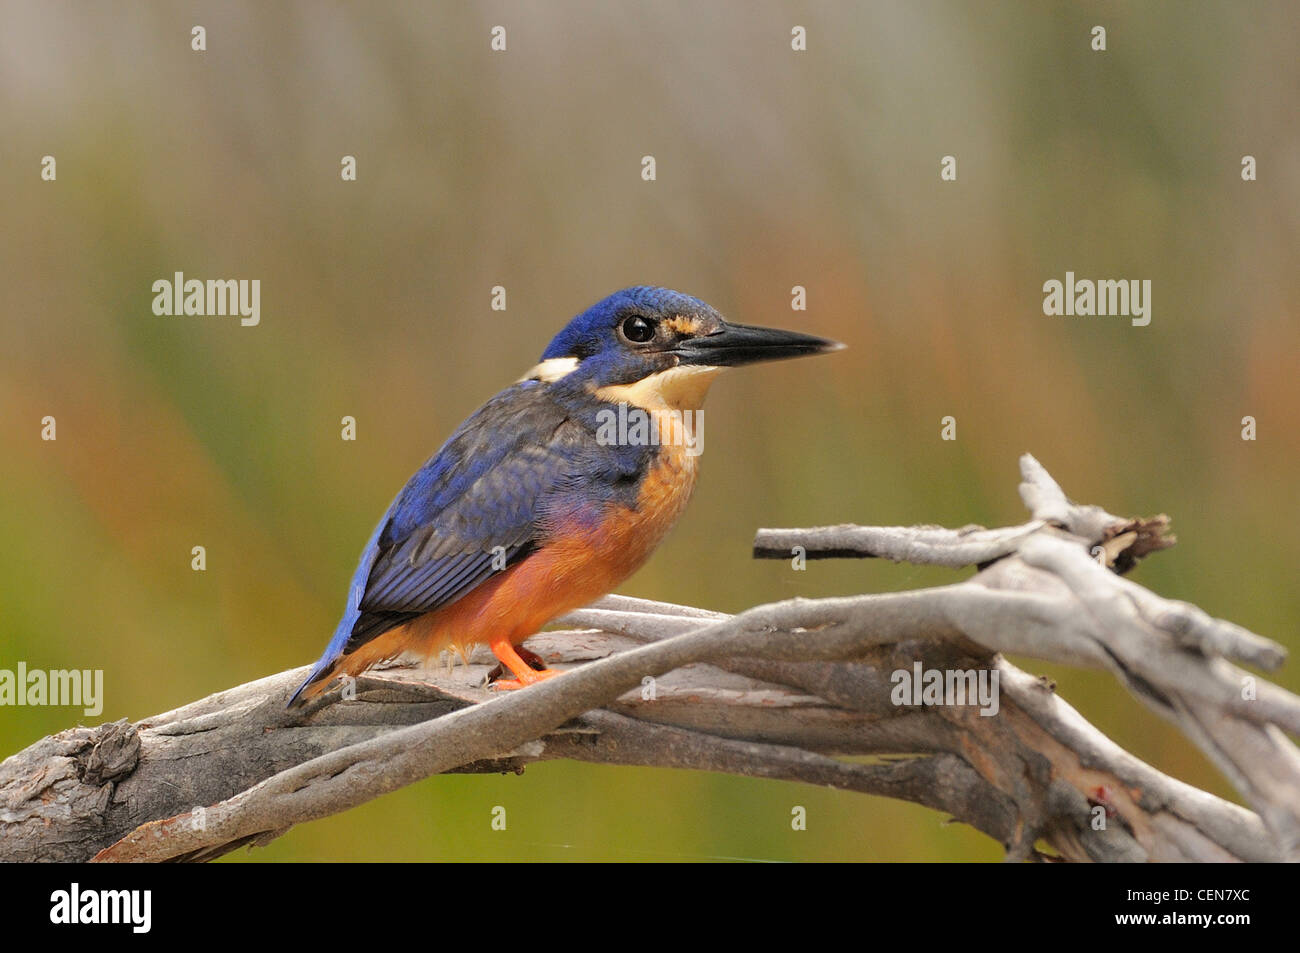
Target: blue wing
{"points": [[489, 491]]}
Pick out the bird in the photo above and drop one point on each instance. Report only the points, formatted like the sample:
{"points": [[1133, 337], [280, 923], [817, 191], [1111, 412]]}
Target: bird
{"points": [[541, 501]]}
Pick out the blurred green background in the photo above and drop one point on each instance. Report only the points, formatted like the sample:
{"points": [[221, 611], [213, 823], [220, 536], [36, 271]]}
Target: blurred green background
{"points": [[522, 169]]}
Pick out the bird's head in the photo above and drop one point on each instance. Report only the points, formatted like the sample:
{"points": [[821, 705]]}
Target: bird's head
{"points": [[657, 348]]}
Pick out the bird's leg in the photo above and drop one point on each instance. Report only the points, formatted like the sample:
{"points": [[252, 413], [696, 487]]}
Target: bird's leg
{"points": [[527, 671], [534, 660]]}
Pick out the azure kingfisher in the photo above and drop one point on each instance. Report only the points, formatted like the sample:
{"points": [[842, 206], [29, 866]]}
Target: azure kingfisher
{"points": [[530, 509]]}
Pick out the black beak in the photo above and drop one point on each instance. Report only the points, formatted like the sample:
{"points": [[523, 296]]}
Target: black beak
{"points": [[735, 344]]}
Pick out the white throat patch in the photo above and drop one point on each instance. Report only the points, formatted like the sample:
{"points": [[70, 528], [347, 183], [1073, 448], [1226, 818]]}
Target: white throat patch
{"points": [[678, 388]]}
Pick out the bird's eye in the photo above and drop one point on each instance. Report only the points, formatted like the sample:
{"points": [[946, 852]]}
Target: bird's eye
{"points": [[637, 329]]}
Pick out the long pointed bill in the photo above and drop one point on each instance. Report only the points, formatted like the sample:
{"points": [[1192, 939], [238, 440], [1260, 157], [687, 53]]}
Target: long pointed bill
{"points": [[737, 344]]}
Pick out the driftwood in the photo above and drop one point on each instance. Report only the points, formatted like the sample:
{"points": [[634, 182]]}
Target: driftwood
{"points": [[779, 691]]}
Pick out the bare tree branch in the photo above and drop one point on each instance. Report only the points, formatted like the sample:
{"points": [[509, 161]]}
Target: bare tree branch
{"points": [[785, 690]]}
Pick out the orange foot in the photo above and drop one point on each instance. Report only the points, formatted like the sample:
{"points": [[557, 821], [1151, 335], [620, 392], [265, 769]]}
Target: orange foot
{"points": [[531, 679], [527, 666]]}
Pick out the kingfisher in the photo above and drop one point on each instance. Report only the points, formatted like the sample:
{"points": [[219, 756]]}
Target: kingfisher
{"points": [[550, 494]]}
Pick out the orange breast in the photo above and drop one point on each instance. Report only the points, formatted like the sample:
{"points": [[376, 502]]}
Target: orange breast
{"points": [[574, 567]]}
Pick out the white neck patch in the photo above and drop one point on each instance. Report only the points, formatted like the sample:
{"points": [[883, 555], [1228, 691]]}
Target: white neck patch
{"points": [[551, 370]]}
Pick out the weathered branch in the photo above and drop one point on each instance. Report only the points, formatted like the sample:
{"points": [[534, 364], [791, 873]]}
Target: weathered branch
{"points": [[779, 691]]}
